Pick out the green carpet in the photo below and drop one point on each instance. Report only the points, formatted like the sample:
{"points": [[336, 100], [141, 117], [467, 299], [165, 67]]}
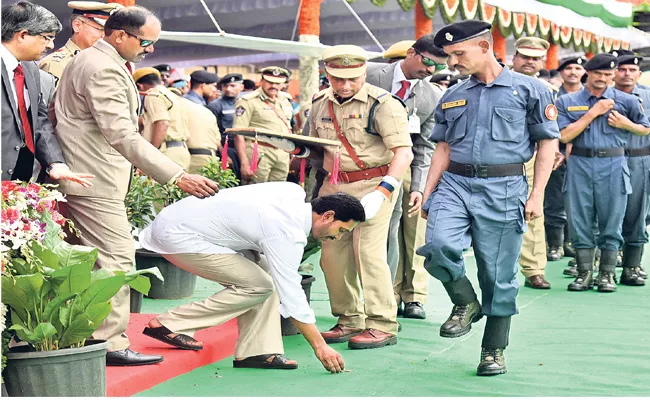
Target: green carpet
{"points": [[561, 344]]}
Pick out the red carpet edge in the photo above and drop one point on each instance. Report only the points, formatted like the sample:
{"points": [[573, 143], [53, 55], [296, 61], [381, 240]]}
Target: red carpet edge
{"points": [[218, 343]]}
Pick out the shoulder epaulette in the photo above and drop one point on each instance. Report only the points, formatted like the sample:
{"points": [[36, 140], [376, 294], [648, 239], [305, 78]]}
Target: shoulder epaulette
{"points": [[378, 93], [249, 96], [318, 96]]}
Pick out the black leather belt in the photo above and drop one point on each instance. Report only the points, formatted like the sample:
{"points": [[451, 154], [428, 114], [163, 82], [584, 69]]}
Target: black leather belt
{"points": [[486, 171], [642, 152], [598, 153], [175, 143], [203, 152]]}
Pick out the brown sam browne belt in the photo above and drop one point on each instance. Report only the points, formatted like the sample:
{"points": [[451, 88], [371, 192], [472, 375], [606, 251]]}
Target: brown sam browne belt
{"points": [[486, 171], [355, 176]]}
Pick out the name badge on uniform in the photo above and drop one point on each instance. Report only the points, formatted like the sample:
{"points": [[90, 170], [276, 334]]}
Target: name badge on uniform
{"points": [[578, 108], [452, 104], [326, 119], [414, 122], [227, 112]]}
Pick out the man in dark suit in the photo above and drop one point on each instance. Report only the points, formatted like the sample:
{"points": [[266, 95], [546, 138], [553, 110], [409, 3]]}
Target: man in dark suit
{"points": [[406, 77], [28, 31]]}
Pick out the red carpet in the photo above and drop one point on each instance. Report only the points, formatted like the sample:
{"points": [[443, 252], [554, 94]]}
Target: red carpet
{"points": [[218, 343]]}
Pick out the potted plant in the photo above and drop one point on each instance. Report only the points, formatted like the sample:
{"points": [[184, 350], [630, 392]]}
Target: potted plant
{"points": [[144, 200], [55, 299]]}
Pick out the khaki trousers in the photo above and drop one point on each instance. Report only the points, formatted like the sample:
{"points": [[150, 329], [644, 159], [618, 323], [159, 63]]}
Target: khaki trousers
{"points": [[533, 247], [179, 155], [273, 164], [197, 161], [103, 224], [249, 296], [358, 261], [412, 280]]}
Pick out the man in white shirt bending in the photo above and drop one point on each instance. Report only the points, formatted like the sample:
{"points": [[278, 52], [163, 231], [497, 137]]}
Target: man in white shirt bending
{"points": [[221, 238]]}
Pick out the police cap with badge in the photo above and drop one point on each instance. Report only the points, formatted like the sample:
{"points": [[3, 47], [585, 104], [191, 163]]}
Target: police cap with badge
{"points": [[629, 59], [231, 78], [398, 50], [345, 61], [601, 61], [202, 76], [581, 60], [275, 74], [460, 32], [531, 46], [163, 68], [94, 10]]}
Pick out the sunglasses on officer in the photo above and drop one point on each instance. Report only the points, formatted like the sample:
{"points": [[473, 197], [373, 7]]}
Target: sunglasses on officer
{"points": [[143, 42], [429, 62]]}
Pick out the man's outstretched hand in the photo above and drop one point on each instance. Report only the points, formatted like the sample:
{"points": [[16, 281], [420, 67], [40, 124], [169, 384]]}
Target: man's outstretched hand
{"points": [[197, 185], [330, 358]]}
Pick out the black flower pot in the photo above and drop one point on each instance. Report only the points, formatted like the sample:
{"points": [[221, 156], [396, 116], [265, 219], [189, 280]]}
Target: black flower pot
{"points": [[178, 282]]}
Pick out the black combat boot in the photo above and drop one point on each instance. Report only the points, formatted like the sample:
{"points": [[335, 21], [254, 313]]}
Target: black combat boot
{"points": [[466, 310], [606, 271], [495, 340], [631, 264], [585, 263], [554, 239], [569, 251]]}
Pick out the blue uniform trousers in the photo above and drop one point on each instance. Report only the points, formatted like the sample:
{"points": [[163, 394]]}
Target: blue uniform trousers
{"points": [[597, 190], [638, 202], [489, 213]]}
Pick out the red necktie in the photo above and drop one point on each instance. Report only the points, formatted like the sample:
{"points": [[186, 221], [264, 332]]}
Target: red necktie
{"points": [[129, 67], [401, 93], [19, 77]]}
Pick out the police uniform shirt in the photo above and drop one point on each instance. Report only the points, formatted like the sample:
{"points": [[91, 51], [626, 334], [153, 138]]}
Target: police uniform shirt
{"points": [[56, 62], [636, 141], [390, 126], [497, 123], [162, 105], [599, 134], [202, 126], [256, 110]]}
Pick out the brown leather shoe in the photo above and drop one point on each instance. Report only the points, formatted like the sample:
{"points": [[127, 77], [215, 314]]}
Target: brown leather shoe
{"points": [[371, 339], [340, 333], [537, 282]]}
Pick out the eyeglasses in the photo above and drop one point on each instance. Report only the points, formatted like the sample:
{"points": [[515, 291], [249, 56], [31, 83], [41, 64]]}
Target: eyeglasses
{"points": [[93, 26], [47, 37], [429, 62], [143, 42]]}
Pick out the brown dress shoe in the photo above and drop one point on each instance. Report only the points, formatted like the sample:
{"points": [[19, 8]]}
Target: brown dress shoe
{"points": [[537, 282], [340, 333], [371, 339]]}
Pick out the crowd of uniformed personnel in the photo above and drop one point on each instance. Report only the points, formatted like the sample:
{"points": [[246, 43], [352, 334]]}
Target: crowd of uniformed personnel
{"points": [[494, 158]]}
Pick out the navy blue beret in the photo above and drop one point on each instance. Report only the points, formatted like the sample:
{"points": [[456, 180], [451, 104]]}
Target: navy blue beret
{"points": [[601, 61], [572, 60], [621, 52], [202, 76], [629, 59], [460, 31], [231, 78]]}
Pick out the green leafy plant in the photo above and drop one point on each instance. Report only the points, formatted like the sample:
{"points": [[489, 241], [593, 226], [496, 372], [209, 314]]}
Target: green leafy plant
{"points": [[147, 197], [56, 300]]}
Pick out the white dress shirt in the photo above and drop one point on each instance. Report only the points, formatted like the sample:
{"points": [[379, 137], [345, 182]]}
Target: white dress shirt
{"points": [[11, 63], [270, 218], [398, 77]]}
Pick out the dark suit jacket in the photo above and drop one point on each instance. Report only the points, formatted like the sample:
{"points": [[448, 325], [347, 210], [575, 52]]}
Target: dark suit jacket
{"points": [[13, 138], [423, 99]]}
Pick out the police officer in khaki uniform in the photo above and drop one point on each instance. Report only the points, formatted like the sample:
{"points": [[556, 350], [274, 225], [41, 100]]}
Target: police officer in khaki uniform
{"points": [[96, 107], [204, 142], [87, 23], [375, 152], [164, 118], [265, 108], [528, 60]]}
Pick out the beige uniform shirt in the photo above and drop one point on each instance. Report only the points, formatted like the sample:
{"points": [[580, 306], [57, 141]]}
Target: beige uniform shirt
{"points": [[56, 62], [389, 126], [204, 132], [255, 110], [162, 105]]}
